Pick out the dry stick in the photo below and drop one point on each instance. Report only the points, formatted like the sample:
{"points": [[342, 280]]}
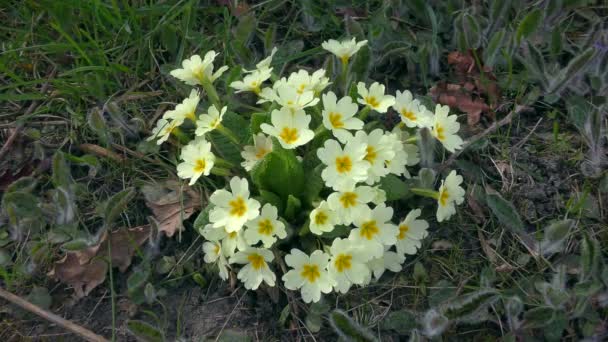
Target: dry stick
{"points": [[51, 317], [11, 139], [506, 120]]}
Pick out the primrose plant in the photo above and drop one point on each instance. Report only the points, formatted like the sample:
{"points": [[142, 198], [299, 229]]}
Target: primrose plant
{"points": [[313, 164]]}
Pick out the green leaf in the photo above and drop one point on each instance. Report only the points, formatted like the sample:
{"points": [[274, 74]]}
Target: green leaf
{"points": [[77, 244], [575, 67], [556, 41], [137, 280], [348, 329], [394, 187], [116, 204], [24, 184], [493, 47], [314, 185], [538, 317], [199, 279], [292, 208], [97, 123], [529, 24], [590, 256], [61, 171], [202, 219], [314, 319], [471, 30], [402, 321], [471, 307], [280, 172], [144, 331], [257, 119], [555, 236], [245, 28], [272, 198], [505, 212]]}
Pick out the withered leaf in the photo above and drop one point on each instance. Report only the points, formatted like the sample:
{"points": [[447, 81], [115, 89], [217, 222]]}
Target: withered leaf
{"points": [[82, 277], [86, 269], [171, 204]]}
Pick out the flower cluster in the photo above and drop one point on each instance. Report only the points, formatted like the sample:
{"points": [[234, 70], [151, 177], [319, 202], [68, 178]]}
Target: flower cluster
{"points": [[353, 161]]}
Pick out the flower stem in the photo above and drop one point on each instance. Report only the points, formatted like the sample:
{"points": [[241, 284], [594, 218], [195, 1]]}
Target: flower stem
{"points": [[228, 134], [411, 140], [220, 171], [320, 130], [344, 75], [223, 163], [426, 192], [212, 93], [363, 113]]}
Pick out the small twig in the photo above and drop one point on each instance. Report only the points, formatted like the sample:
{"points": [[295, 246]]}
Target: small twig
{"points": [[496, 125], [101, 151], [11, 139], [51, 317]]}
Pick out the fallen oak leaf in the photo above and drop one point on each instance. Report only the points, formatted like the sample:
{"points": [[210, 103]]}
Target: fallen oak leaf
{"points": [[171, 204], [82, 277], [86, 269], [456, 96]]}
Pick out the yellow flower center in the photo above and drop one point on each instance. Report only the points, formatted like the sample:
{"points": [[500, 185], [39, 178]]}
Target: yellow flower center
{"points": [[343, 164], [199, 165], [403, 229], [289, 135], [408, 115], [301, 88], [216, 250], [169, 128], [439, 132], [237, 207], [336, 120], [265, 227], [257, 261], [232, 235], [371, 154], [191, 116], [261, 153], [199, 74], [344, 58], [290, 103], [321, 218], [443, 197], [372, 101], [310, 272], [369, 229], [214, 123], [348, 199], [343, 262]]}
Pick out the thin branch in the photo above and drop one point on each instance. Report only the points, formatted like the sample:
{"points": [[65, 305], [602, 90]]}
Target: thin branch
{"points": [[51, 317]]}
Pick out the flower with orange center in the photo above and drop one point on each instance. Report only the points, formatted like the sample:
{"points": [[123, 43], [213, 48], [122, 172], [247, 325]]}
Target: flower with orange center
{"points": [[339, 116], [232, 209], [309, 274], [450, 194], [445, 129], [411, 232], [374, 97], [322, 219], [291, 129], [347, 205], [197, 160], [345, 167], [347, 265], [374, 230], [345, 49], [209, 121], [163, 129], [252, 81], [256, 267], [411, 111], [262, 145], [266, 227], [196, 71], [186, 109], [214, 254]]}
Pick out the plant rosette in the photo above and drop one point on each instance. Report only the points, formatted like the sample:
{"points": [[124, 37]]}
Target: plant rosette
{"points": [[307, 180]]}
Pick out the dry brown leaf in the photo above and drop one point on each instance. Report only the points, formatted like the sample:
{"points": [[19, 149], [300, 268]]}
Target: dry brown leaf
{"points": [[171, 204], [82, 277], [87, 268]]}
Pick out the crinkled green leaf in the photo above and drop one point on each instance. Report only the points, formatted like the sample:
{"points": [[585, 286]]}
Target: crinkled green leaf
{"points": [[505, 212], [144, 331], [348, 329], [529, 24], [394, 187], [281, 173]]}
